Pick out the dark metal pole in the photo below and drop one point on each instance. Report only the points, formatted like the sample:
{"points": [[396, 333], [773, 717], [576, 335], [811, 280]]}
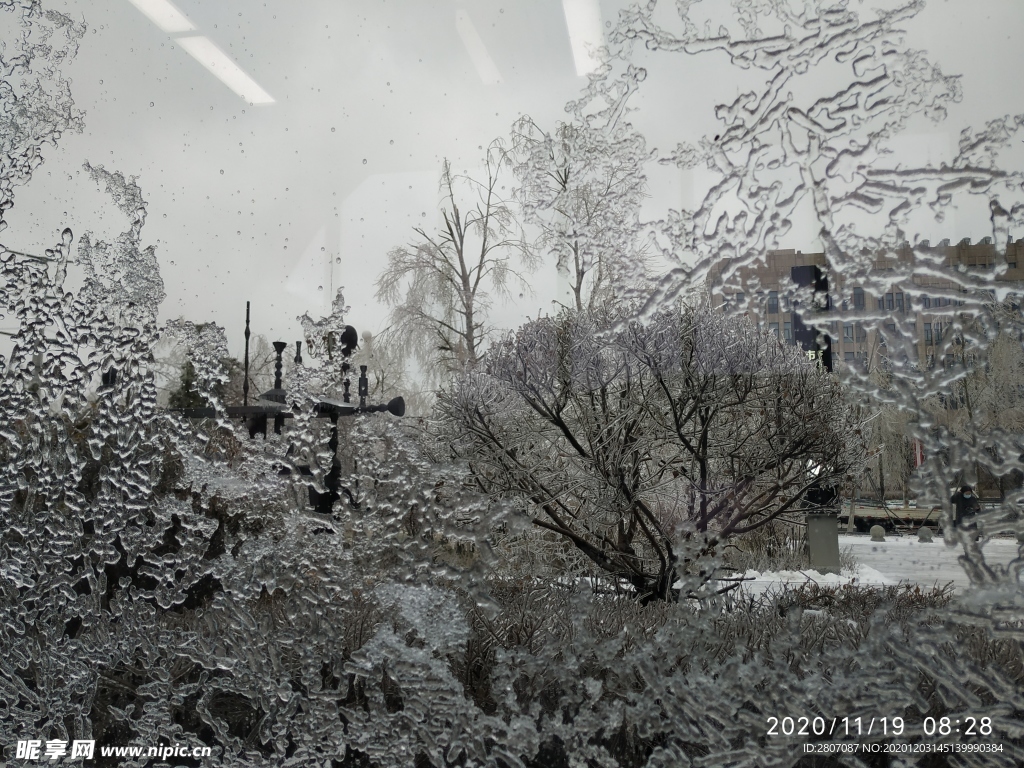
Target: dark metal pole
{"points": [[364, 386], [245, 380], [298, 353], [332, 482], [346, 383], [279, 348]]}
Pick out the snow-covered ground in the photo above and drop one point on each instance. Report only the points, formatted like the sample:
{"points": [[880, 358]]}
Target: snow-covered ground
{"points": [[898, 559]]}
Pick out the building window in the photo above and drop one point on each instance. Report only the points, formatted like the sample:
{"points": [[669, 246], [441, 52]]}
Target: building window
{"points": [[848, 357], [862, 335], [787, 331], [899, 302], [774, 328], [848, 332], [928, 334], [740, 299], [888, 302], [938, 333], [773, 303], [891, 329], [858, 298], [881, 303], [833, 329], [913, 328], [926, 302]]}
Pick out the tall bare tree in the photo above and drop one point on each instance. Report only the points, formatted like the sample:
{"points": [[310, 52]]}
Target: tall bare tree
{"points": [[441, 286], [581, 186]]}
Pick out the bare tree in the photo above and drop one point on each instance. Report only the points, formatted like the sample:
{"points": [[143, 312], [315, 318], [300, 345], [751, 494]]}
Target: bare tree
{"points": [[440, 287], [582, 186], [635, 440], [981, 406]]}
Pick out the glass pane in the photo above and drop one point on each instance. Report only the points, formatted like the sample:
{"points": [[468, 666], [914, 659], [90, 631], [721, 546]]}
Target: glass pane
{"points": [[379, 386]]}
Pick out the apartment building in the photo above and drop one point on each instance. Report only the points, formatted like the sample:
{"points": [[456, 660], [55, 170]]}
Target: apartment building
{"points": [[919, 309]]}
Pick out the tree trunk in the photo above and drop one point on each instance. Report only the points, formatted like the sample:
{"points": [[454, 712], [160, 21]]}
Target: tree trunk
{"points": [[908, 460], [850, 526]]}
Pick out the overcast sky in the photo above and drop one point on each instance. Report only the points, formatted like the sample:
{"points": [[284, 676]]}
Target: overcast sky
{"points": [[357, 104]]}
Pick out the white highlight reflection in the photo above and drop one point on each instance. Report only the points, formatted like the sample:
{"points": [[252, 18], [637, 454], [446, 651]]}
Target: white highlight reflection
{"points": [[583, 18], [164, 15], [203, 50], [485, 66]]}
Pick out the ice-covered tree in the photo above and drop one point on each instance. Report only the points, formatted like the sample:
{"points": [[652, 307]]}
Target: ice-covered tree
{"points": [[628, 438], [581, 186], [441, 286]]}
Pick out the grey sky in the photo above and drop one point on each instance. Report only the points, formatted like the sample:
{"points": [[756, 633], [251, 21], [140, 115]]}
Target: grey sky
{"points": [[368, 99]]}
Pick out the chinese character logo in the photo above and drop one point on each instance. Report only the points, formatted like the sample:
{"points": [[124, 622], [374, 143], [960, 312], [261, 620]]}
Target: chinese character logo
{"points": [[29, 749], [83, 748]]}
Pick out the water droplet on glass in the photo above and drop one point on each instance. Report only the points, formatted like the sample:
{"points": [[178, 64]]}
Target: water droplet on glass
{"points": [[392, 141], [364, 161], [337, 260], [221, 171], [332, 129], [151, 104], [319, 287]]}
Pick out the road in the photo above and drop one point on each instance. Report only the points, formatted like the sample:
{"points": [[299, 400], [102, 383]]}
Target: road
{"points": [[905, 559]]}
